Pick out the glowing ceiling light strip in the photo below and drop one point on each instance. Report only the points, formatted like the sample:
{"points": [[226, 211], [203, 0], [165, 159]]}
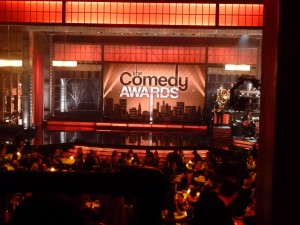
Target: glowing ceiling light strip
{"points": [[64, 63], [174, 126], [103, 124], [119, 125], [13, 63], [241, 67]]}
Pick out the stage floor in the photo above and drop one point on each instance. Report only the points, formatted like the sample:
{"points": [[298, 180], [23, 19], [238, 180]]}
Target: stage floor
{"points": [[161, 136]]}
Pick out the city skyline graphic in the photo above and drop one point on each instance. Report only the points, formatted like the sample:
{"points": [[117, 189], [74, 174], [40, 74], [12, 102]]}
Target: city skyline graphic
{"points": [[153, 92]]}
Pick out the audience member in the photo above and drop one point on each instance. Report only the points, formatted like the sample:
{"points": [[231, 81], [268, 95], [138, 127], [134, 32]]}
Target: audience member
{"points": [[209, 185], [129, 157], [122, 160], [135, 162], [177, 158], [156, 158], [114, 159], [3, 160], [196, 157], [198, 168], [181, 204], [79, 161], [148, 160], [244, 197], [192, 196], [212, 207], [187, 181], [15, 162]]}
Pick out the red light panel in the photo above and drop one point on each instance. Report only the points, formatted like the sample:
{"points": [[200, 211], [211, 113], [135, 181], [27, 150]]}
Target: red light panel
{"points": [[138, 13], [31, 11], [241, 15]]}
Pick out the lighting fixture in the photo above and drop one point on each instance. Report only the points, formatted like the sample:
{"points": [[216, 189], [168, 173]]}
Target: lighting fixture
{"points": [[13, 63], [59, 63], [237, 67]]}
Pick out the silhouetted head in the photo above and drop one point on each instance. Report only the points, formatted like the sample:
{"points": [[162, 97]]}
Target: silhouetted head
{"points": [[229, 186]]}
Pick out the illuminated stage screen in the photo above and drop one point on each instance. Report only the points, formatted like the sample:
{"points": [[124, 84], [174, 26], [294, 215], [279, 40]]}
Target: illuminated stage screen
{"points": [[153, 92]]}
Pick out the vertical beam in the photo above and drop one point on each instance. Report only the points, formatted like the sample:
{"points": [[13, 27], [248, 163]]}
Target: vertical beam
{"points": [[37, 80], [267, 113]]}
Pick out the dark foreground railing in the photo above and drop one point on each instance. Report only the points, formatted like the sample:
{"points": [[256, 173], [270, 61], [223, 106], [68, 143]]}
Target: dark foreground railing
{"points": [[147, 185]]}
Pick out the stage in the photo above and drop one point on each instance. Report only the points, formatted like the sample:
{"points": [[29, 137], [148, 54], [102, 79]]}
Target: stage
{"points": [[136, 135]]}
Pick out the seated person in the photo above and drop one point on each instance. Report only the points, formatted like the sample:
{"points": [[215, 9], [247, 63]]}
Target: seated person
{"points": [[212, 206], [187, 181], [181, 203], [249, 127], [192, 196]]}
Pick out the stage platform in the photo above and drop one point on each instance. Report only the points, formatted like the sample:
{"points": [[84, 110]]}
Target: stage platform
{"points": [[137, 135], [114, 126], [226, 137]]}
